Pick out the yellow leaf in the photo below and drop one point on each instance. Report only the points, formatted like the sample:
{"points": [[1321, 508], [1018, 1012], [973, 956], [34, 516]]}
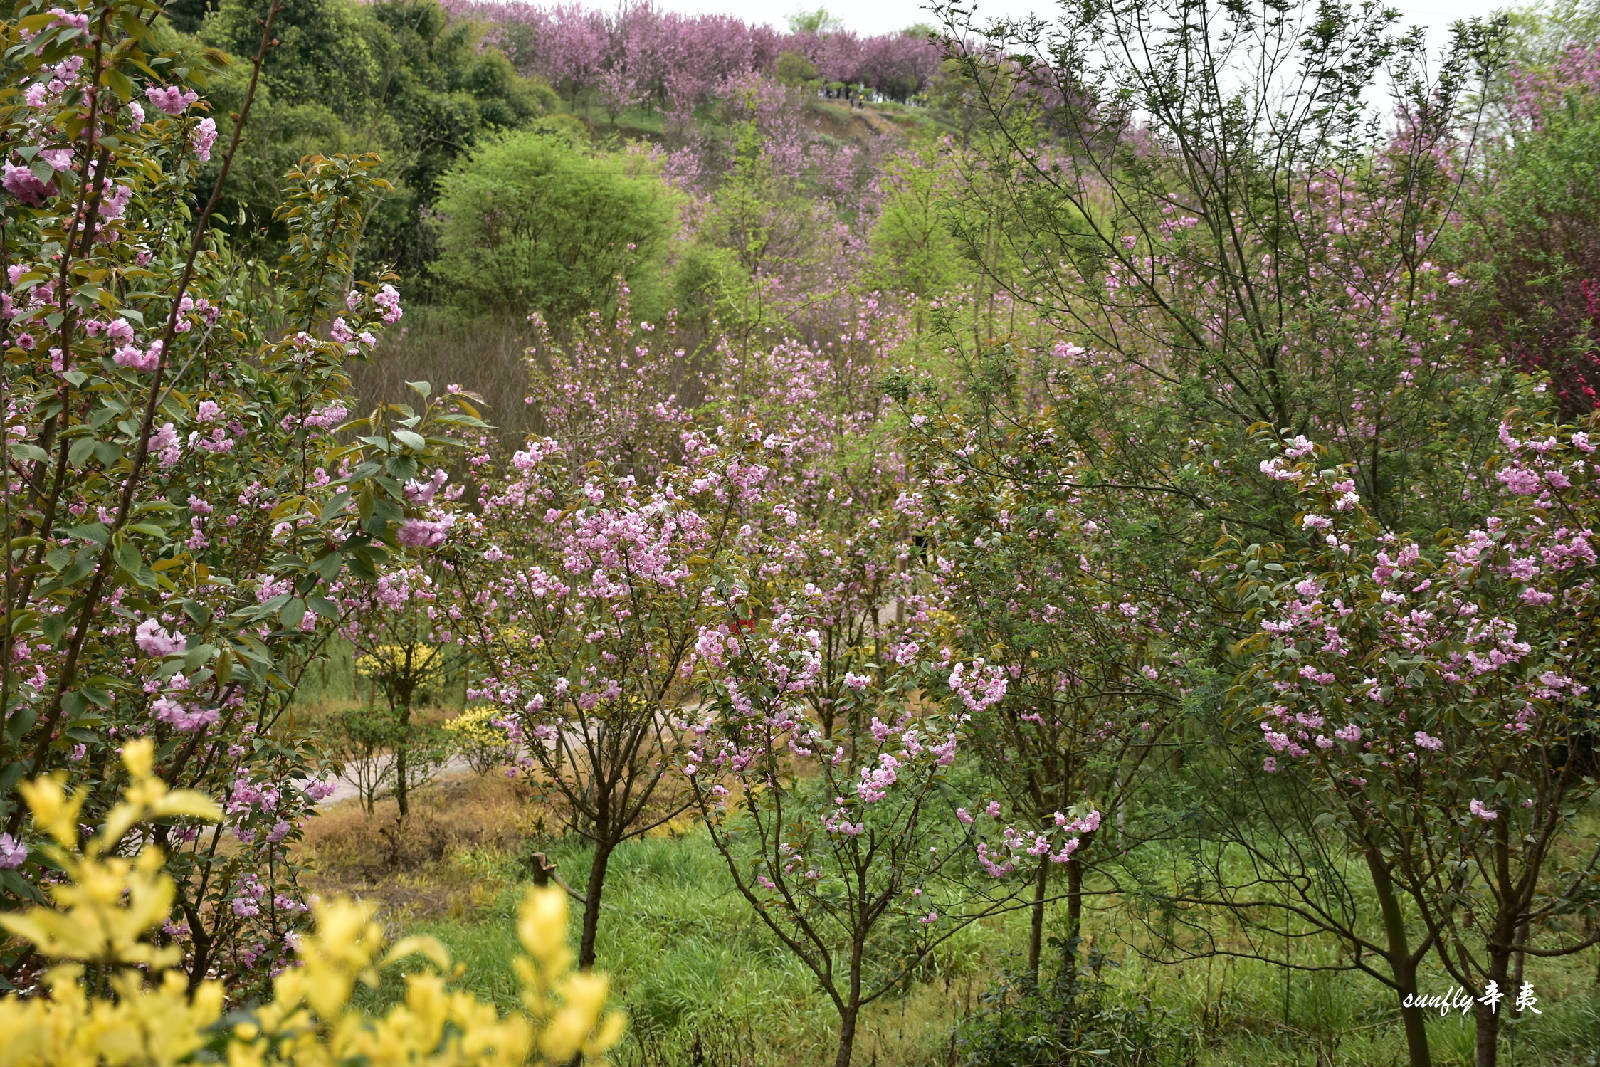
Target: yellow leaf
{"points": [[430, 947], [140, 758]]}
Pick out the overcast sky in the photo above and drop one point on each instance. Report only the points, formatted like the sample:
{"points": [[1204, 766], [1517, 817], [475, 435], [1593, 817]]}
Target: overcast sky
{"points": [[882, 16]]}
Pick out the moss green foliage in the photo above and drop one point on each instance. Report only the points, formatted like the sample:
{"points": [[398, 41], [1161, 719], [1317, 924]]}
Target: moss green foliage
{"points": [[533, 222], [913, 245], [398, 77]]}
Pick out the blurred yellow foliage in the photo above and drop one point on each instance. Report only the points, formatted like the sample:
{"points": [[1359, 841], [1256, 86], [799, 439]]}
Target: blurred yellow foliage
{"points": [[143, 1011]]}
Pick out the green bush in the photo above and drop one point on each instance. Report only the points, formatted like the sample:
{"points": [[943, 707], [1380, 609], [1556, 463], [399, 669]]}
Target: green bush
{"points": [[364, 745], [533, 223], [1072, 1020]]}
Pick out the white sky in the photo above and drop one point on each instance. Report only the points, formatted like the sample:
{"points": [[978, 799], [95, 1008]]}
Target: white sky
{"points": [[883, 16]]}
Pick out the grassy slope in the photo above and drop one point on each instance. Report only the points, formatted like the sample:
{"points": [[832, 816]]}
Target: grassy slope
{"points": [[703, 981]]}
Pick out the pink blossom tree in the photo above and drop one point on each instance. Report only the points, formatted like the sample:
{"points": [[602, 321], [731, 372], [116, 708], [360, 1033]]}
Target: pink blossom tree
{"points": [[1053, 588], [846, 846], [1433, 699], [180, 479], [587, 590]]}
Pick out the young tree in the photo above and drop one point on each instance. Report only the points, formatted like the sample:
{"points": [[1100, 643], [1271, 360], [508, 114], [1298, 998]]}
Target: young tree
{"points": [[1434, 701], [1201, 189], [846, 846], [587, 591], [914, 246], [1056, 601], [176, 503], [405, 654]]}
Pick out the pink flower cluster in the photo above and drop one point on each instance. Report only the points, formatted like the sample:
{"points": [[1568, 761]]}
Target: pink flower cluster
{"points": [[155, 641], [174, 100]]}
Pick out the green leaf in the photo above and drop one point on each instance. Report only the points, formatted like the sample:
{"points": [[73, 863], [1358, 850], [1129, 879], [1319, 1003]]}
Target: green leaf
{"points": [[74, 703], [328, 565], [29, 453], [291, 613], [93, 532], [402, 468], [128, 558], [81, 568], [120, 84], [197, 655], [411, 440], [335, 506], [54, 627], [22, 721]]}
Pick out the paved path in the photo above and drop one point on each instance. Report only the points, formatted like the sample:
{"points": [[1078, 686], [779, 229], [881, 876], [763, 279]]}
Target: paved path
{"points": [[454, 767]]}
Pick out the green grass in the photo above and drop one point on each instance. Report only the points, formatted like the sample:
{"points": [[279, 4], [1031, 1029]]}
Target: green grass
{"points": [[332, 682], [703, 981]]}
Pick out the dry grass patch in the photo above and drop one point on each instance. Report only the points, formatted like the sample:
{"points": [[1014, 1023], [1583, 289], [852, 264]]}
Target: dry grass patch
{"points": [[463, 836]]}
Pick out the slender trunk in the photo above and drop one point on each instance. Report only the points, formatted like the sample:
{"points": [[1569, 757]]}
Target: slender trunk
{"points": [[850, 1009], [403, 745], [1487, 1018], [847, 1034], [200, 946], [591, 902], [1519, 955], [1074, 930], [1401, 965], [1502, 946], [1036, 931]]}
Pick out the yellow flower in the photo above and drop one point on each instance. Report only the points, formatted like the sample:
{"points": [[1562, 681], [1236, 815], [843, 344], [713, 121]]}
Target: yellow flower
{"points": [[109, 904], [542, 926]]}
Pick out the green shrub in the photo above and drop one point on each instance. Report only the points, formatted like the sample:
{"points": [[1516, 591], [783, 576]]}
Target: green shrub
{"points": [[533, 223], [1073, 1020]]}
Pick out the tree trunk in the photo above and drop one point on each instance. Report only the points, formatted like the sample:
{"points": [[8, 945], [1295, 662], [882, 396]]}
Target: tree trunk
{"points": [[1036, 931], [403, 750], [1502, 946], [847, 1035], [851, 1007], [1519, 955], [1074, 930], [591, 902], [1487, 1018], [1401, 965], [202, 942]]}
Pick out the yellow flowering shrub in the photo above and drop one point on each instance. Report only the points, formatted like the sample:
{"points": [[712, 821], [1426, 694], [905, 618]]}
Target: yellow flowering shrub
{"points": [[474, 734], [410, 665], [114, 999]]}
